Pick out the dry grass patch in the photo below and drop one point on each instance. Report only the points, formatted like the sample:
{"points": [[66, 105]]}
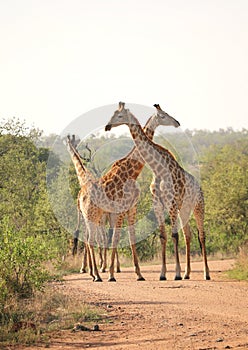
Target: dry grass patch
{"points": [[240, 270], [33, 320]]}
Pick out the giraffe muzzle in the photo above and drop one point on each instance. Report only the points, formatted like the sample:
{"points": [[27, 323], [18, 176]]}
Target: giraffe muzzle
{"points": [[108, 127], [177, 124]]}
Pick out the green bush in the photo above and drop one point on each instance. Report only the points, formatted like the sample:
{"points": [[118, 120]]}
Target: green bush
{"points": [[21, 262], [240, 270]]}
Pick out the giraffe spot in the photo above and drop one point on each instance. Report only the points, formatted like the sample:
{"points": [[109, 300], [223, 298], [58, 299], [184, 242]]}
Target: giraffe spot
{"points": [[130, 172], [160, 168]]}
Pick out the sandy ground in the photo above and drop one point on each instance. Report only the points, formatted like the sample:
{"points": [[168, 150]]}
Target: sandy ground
{"points": [[153, 314]]}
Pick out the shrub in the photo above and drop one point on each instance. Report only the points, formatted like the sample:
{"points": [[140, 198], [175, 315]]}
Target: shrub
{"points": [[240, 270], [21, 262]]}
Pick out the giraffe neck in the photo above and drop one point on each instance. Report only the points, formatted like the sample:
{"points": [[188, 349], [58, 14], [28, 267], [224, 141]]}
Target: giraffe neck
{"points": [[146, 148], [149, 130]]}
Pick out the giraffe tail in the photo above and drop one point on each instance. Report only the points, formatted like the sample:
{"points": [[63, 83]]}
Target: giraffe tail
{"points": [[75, 243]]}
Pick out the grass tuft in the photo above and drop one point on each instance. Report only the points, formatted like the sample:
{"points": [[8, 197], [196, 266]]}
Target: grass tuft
{"points": [[240, 270]]}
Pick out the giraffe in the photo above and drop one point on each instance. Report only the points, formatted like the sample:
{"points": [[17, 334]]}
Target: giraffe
{"points": [[121, 171], [93, 202], [129, 168], [80, 220], [173, 189], [101, 237]]}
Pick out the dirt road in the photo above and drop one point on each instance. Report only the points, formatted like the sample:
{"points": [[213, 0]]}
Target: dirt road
{"points": [[153, 314]]}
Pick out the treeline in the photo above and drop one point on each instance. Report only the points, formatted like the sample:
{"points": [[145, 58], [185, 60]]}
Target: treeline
{"points": [[32, 231]]}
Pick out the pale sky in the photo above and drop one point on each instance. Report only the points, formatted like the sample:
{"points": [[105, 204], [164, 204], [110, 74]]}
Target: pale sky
{"points": [[62, 58]]}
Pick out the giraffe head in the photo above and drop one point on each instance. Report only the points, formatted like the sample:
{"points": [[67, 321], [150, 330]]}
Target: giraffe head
{"points": [[163, 118], [121, 116], [69, 143], [71, 140]]}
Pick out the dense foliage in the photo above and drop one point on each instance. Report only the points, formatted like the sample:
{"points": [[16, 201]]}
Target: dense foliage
{"points": [[30, 234], [225, 184]]}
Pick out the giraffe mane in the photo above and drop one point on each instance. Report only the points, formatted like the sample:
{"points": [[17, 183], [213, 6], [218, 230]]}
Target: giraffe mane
{"points": [[162, 150]]}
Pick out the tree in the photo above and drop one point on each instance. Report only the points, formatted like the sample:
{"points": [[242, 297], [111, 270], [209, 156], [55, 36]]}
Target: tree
{"points": [[30, 232], [225, 184]]}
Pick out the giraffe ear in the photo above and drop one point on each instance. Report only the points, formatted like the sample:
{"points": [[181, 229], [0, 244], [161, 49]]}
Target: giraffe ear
{"points": [[156, 105], [121, 106]]}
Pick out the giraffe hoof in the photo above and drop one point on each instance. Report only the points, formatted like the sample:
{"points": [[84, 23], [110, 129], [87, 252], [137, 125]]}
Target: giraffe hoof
{"points": [[177, 278], [82, 271], [118, 270], [162, 278], [111, 279], [186, 277], [140, 279], [97, 279], [207, 278]]}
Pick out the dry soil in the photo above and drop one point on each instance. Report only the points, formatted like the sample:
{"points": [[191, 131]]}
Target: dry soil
{"points": [[152, 314]]}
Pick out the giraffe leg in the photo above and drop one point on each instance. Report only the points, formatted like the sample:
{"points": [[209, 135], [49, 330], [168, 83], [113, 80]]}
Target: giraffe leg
{"points": [[100, 257], [163, 240], [95, 273], [110, 236], [112, 219], [104, 260], [115, 241], [178, 266], [187, 237], [116, 224], [84, 261], [105, 249], [184, 215], [89, 262], [131, 229], [102, 243], [174, 218], [86, 255], [199, 217], [159, 213], [118, 264], [111, 267], [92, 229]]}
